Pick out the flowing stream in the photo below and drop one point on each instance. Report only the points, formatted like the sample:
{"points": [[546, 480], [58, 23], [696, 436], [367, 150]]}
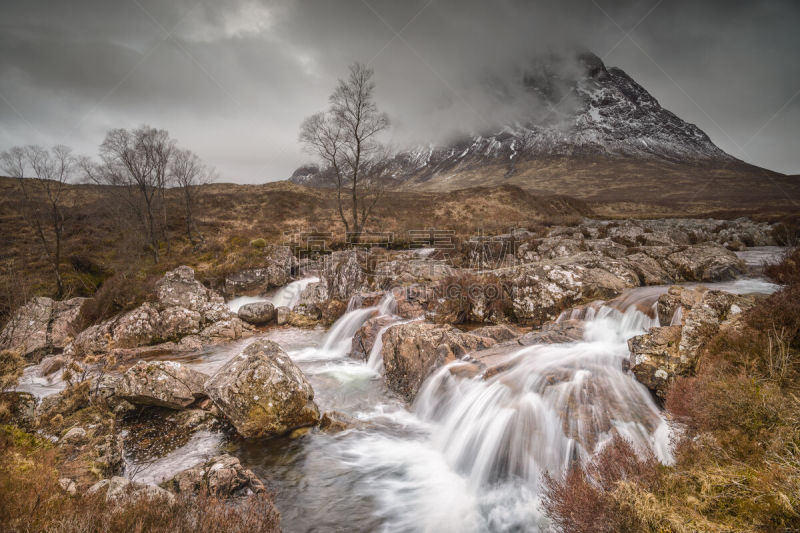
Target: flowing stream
{"points": [[470, 453]]}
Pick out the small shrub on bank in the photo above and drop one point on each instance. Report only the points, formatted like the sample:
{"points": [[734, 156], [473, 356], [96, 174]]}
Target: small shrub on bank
{"points": [[121, 292], [11, 366], [738, 455], [787, 271]]}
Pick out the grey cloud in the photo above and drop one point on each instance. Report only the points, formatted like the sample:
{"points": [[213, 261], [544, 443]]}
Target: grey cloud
{"points": [[239, 75]]}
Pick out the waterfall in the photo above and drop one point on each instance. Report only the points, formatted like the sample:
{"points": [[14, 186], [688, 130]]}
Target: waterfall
{"points": [[677, 317], [338, 341], [287, 296], [557, 404], [494, 438]]}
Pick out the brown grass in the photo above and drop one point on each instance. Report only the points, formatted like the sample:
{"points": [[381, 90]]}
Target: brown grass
{"points": [[738, 456], [103, 257], [31, 499]]}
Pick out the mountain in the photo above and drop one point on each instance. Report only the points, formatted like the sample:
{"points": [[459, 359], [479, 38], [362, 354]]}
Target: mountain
{"points": [[593, 133]]}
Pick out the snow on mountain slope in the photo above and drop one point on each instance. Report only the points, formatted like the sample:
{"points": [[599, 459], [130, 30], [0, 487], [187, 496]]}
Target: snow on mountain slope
{"points": [[607, 114]]}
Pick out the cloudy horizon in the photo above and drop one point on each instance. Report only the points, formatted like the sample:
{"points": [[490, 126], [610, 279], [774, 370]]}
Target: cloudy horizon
{"points": [[233, 80]]}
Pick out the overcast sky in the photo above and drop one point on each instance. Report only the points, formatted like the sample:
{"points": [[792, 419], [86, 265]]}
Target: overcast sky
{"points": [[233, 79]]}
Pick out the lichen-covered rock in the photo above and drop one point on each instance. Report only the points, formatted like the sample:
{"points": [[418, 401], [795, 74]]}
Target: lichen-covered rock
{"points": [[696, 315], [41, 326], [704, 262], [161, 383], [413, 350], [671, 305], [498, 332], [51, 365], [655, 358], [343, 274], [123, 490], [649, 271], [276, 272], [312, 299], [540, 291], [75, 435], [262, 392], [405, 269], [183, 308], [554, 247], [222, 476], [257, 313], [282, 315]]}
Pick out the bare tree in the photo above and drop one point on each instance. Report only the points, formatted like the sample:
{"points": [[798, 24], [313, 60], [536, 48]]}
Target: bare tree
{"points": [[136, 163], [42, 195], [189, 172], [159, 149], [345, 138]]}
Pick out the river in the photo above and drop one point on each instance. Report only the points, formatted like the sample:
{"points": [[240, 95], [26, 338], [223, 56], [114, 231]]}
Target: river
{"points": [[469, 454]]}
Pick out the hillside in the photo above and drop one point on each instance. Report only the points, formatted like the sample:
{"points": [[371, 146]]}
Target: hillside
{"points": [[604, 138], [98, 246]]}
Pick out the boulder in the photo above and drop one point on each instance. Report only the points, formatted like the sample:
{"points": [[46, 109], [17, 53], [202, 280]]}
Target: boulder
{"points": [[649, 271], [276, 272], [627, 234], [555, 333], [405, 269], [336, 422], [676, 300], [498, 332], [553, 247], [257, 313], [606, 247], [413, 350], [366, 335], [665, 352], [161, 383], [20, 409], [51, 365], [343, 273], [312, 299], [183, 308], [262, 392], [68, 485], [704, 262], [655, 359], [282, 315], [539, 292], [74, 436], [122, 490], [332, 311], [222, 477], [41, 326]]}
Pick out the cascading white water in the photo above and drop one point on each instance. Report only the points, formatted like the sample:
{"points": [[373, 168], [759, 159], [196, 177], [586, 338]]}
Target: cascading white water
{"points": [[338, 341], [493, 439], [287, 296], [555, 405], [375, 357]]}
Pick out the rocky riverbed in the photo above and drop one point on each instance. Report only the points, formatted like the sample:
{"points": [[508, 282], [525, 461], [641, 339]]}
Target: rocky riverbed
{"points": [[440, 393]]}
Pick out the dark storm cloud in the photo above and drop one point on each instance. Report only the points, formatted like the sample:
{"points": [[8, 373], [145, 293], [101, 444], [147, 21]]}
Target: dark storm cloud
{"points": [[233, 79]]}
